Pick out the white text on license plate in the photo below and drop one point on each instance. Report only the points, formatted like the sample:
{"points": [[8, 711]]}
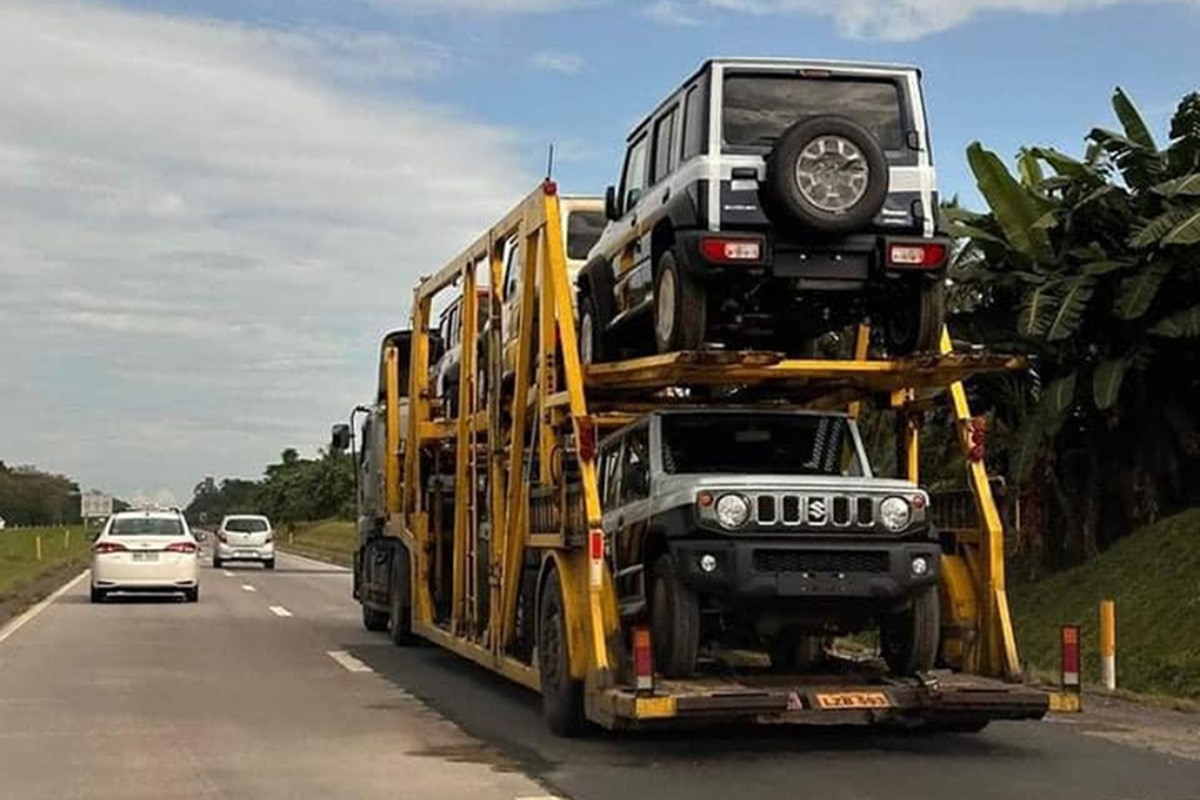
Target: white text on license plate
{"points": [[835, 700]]}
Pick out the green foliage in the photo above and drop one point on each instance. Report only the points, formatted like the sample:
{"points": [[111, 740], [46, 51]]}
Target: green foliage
{"points": [[29, 496], [19, 565], [292, 489]]}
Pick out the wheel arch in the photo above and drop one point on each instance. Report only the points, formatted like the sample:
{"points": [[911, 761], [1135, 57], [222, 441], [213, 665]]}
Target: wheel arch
{"points": [[560, 564]]}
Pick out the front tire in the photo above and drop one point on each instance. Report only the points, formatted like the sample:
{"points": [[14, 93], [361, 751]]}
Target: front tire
{"points": [[680, 305], [674, 622], [269, 564], [98, 595], [191, 595], [591, 332], [909, 638], [913, 322], [373, 619], [562, 695], [399, 625]]}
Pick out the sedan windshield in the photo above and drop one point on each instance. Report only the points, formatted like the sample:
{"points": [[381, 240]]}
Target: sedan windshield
{"points": [[146, 526], [246, 525], [778, 444], [758, 108]]}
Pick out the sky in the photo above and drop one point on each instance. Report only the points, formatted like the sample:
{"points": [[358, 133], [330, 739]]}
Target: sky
{"points": [[211, 211]]}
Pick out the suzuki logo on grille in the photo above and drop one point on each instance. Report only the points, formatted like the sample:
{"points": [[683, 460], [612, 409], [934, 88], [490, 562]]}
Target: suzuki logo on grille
{"points": [[817, 511]]}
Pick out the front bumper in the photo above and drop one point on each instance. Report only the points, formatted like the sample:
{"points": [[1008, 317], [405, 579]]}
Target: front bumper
{"points": [[758, 568]]}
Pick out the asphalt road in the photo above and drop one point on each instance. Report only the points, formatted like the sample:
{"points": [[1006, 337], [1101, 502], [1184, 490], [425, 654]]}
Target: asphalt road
{"points": [[230, 699]]}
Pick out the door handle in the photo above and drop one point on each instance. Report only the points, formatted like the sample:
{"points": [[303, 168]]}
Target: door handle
{"points": [[667, 195]]}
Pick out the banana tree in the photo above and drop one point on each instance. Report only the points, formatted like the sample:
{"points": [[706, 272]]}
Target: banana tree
{"points": [[1091, 266]]}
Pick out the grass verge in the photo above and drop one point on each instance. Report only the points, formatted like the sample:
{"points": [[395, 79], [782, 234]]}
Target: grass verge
{"points": [[329, 540], [61, 549], [1154, 577]]}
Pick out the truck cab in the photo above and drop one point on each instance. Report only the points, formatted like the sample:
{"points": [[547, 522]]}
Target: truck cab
{"points": [[765, 529]]}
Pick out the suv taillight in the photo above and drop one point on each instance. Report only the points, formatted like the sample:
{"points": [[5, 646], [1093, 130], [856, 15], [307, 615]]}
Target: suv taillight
{"points": [[731, 251], [270, 536], [100, 548], [916, 255], [180, 547], [221, 537]]}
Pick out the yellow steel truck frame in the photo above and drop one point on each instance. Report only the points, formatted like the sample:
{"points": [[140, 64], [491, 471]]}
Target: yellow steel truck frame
{"points": [[523, 504]]}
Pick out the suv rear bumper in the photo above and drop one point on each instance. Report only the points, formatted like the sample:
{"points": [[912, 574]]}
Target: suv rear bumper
{"points": [[771, 567]]}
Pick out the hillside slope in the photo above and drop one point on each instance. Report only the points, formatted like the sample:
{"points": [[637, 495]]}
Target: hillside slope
{"points": [[1154, 577]]}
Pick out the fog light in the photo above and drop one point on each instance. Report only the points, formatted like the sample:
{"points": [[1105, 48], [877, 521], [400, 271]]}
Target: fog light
{"points": [[708, 563], [920, 566]]}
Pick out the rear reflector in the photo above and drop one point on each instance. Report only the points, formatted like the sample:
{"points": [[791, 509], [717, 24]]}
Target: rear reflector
{"points": [[725, 251], [643, 660], [108, 547], [180, 547], [916, 255], [595, 557]]}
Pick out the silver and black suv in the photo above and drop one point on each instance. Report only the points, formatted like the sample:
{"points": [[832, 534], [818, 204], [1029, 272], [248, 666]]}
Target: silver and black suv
{"points": [[767, 202], [766, 529]]}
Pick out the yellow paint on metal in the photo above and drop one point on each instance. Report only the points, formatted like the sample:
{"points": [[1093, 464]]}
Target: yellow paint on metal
{"points": [[655, 707], [1066, 702], [862, 348], [1108, 628], [391, 466], [460, 612]]}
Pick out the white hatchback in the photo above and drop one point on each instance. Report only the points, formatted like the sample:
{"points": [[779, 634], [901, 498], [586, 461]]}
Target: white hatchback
{"points": [[245, 537], [145, 551]]}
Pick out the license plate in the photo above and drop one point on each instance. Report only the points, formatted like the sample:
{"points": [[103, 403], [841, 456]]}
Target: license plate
{"points": [[247, 553], [145, 556], [835, 700], [655, 707]]}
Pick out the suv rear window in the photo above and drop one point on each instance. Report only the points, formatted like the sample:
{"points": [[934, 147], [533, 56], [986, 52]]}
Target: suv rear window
{"points": [[759, 445], [583, 231], [758, 108], [145, 526], [246, 525]]}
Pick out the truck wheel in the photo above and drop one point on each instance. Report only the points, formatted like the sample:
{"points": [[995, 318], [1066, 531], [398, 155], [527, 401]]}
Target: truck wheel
{"points": [[674, 622], [373, 619], [679, 307], [399, 625], [562, 696], [913, 322], [591, 332], [795, 652], [909, 638]]}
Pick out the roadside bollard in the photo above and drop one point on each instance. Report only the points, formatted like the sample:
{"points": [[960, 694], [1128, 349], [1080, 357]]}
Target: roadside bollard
{"points": [[291, 538], [1069, 698], [66, 539], [38, 545], [1108, 644]]}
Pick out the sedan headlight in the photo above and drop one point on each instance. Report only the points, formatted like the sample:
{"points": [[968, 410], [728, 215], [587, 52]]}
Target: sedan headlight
{"points": [[732, 511], [895, 513]]}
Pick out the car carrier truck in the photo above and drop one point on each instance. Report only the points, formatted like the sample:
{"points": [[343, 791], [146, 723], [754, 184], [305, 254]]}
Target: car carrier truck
{"points": [[674, 538]]}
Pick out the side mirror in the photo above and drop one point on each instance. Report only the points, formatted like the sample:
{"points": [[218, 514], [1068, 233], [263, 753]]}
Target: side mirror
{"points": [[339, 441], [611, 209]]}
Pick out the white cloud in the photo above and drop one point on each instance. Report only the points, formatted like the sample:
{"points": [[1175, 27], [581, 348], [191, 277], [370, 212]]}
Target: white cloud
{"points": [[558, 61], [205, 225], [485, 6], [670, 12], [912, 19]]}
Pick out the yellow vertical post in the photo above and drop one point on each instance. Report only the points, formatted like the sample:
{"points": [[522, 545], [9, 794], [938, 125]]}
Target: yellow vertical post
{"points": [[862, 347], [464, 484], [391, 465], [1108, 644], [547, 352], [66, 538], [496, 443], [38, 546], [415, 516]]}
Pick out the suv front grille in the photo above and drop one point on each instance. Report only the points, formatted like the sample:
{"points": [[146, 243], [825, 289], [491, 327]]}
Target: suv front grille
{"points": [[821, 561], [816, 511]]}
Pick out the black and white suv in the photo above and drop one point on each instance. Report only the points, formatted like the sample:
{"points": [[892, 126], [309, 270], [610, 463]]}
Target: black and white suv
{"points": [[767, 202]]}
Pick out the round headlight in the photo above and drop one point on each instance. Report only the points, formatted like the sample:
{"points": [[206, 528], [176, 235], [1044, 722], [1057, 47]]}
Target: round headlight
{"points": [[732, 511], [895, 513]]}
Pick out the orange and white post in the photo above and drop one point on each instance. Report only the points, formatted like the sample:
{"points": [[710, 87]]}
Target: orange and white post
{"points": [[1108, 644]]}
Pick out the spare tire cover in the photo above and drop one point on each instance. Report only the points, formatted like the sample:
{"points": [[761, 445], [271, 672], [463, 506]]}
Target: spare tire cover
{"points": [[826, 173]]}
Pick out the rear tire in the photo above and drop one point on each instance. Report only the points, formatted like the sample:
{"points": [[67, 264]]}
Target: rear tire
{"points": [[191, 595], [913, 322], [269, 564], [399, 624], [217, 562], [98, 595], [674, 622], [591, 332], [909, 638], [562, 695], [373, 619], [680, 305]]}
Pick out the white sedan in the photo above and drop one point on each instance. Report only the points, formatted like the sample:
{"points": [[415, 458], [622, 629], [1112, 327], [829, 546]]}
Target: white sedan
{"points": [[145, 551]]}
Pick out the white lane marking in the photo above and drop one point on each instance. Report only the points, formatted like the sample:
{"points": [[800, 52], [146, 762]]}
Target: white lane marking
{"points": [[14, 626], [327, 566], [280, 611], [227, 573], [248, 588], [348, 661], [540, 797]]}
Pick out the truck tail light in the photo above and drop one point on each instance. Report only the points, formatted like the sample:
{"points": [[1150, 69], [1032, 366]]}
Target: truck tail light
{"points": [[595, 557], [101, 548], [731, 251], [916, 255], [587, 440], [180, 547], [643, 660]]}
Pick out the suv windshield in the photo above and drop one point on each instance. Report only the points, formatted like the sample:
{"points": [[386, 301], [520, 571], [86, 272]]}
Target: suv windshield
{"points": [[145, 526], [758, 108], [777, 444], [246, 525], [583, 231]]}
